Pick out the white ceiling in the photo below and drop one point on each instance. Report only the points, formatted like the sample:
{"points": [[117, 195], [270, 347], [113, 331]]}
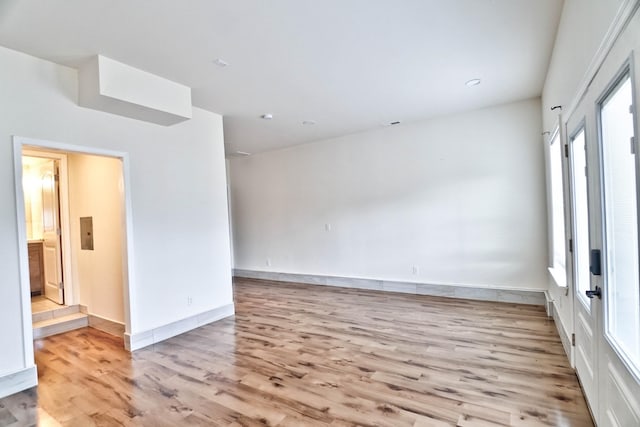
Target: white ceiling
{"points": [[348, 65]]}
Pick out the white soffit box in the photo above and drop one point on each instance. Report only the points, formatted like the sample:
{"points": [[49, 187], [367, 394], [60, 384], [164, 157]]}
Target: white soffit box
{"points": [[114, 87]]}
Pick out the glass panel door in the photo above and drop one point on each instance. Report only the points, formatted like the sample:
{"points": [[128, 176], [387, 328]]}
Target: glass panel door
{"points": [[558, 263], [622, 286], [580, 214]]}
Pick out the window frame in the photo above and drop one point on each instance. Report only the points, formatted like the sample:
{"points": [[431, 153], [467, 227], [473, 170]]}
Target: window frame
{"points": [[626, 71], [558, 272], [581, 127]]}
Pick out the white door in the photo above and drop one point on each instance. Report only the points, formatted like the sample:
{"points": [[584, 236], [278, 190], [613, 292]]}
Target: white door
{"points": [[585, 315], [53, 286], [605, 257]]}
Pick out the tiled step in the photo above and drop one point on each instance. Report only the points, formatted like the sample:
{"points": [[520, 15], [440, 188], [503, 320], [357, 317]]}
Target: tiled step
{"points": [[57, 312], [60, 324]]}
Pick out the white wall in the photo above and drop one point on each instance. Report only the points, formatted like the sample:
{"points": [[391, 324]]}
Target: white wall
{"points": [[583, 26], [179, 205], [95, 190], [461, 197]]}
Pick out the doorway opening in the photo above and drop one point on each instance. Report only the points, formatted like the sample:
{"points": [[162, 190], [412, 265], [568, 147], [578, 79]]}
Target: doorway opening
{"points": [[41, 186], [72, 221]]}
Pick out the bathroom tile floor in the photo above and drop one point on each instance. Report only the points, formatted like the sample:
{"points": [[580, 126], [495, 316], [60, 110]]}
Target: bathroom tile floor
{"points": [[40, 304]]}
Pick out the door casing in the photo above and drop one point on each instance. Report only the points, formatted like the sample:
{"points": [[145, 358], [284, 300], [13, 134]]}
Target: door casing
{"points": [[21, 145]]}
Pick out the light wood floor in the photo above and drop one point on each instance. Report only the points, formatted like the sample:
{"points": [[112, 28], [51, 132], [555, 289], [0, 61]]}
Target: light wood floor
{"points": [[298, 355]]}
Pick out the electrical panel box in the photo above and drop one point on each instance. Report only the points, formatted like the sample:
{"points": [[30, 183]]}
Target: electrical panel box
{"points": [[86, 233]]}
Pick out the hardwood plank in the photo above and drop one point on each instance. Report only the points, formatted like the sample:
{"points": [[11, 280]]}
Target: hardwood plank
{"points": [[302, 355]]}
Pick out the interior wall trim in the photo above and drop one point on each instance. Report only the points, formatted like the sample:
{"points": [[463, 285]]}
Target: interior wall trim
{"points": [[102, 323], [520, 296], [548, 303], [18, 381], [564, 334], [139, 340]]}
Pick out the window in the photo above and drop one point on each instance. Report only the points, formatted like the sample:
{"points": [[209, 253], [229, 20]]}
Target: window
{"points": [[558, 263], [622, 286], [580, 215]]}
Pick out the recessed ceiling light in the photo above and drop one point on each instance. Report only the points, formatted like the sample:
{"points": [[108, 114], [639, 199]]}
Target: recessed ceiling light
{"points": [[267, 116], [220, 62], [308, 122], [473, 82]]}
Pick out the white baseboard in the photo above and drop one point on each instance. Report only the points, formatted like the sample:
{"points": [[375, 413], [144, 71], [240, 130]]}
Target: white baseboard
{"points": [[18, 381], [520, 296], [565, 335], [109, 326], [139, 340], [548, 304], [106, 325]]}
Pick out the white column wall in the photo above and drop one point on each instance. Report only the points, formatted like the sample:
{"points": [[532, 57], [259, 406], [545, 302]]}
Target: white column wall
{"points": [[178, 192]]}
